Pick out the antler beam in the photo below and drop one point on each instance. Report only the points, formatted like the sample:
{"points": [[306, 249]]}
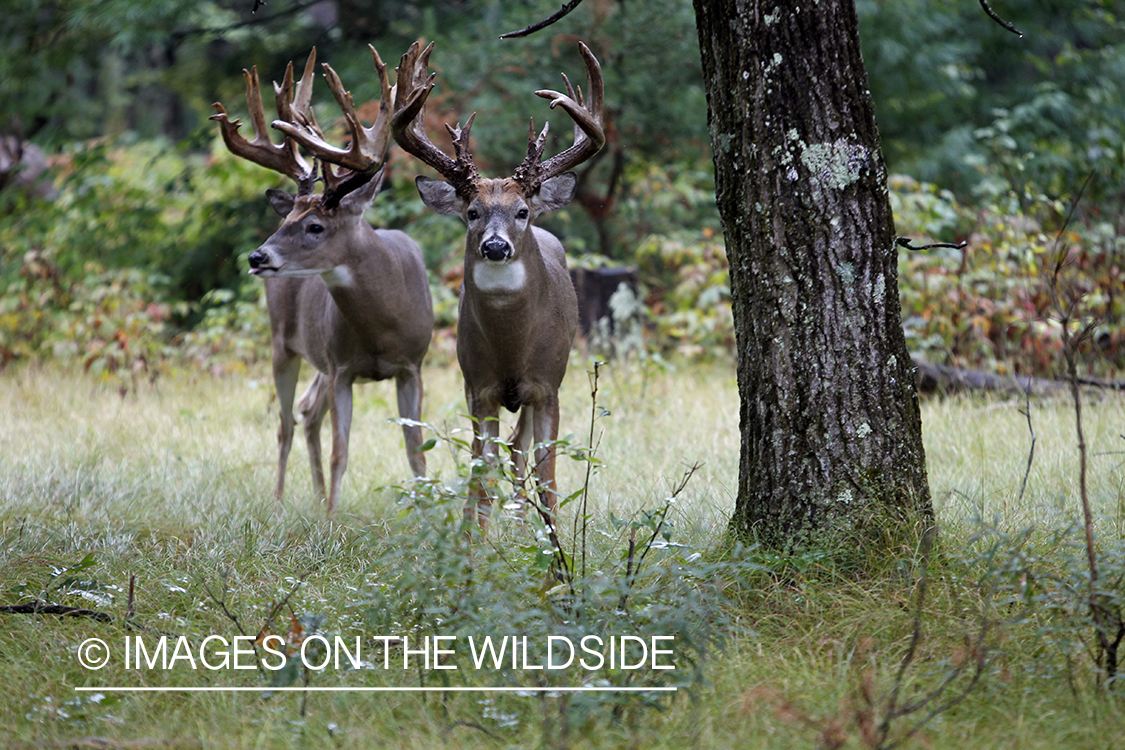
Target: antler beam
{"points": [[284, 158], [589, 134], [408, 126]]}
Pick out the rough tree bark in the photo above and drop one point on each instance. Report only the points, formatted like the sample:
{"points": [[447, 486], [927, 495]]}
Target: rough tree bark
{"points": [[831, 433]]}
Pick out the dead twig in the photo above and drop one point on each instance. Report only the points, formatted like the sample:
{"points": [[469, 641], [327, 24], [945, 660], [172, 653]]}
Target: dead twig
{"points": [[905, 242], [992, 14], [1031, 451], [556, 16], [633, 571]]}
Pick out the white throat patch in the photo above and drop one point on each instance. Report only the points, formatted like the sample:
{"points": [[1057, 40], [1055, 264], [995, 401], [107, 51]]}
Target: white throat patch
{"points": [[499, 277], [338, 277]]}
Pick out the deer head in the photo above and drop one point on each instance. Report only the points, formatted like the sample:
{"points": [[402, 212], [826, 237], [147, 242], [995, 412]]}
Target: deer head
{"points": [[497, 210]]}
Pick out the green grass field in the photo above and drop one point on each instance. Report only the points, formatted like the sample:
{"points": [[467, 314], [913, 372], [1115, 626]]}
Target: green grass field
{"points": [[172, 485]]}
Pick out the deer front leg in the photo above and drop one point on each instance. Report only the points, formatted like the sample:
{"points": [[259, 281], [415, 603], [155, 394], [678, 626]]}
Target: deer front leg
{"points": [[286, 370], [341, 428], [486, 430], [312, 406], [523, 437], [408, 386], [546, 433]]}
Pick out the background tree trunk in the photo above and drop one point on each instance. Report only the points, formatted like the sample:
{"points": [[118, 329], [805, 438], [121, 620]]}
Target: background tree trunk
{"points": [[831, 432]]}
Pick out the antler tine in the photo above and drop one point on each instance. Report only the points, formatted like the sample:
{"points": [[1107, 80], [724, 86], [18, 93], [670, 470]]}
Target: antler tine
{"points": [[589, 135], [295, 107], [368, 146], [414, 85], [261, 150]]}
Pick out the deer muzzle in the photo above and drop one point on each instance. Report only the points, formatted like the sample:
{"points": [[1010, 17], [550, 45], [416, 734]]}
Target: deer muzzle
{"points": [[260, 263], [496, 248]]}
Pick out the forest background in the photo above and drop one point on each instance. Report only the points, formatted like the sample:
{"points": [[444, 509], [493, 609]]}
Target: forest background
{"points": [[127, 252]]}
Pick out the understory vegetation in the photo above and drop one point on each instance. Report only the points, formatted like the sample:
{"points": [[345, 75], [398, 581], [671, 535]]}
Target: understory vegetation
{"points": [[135, 270], [157, 512]]}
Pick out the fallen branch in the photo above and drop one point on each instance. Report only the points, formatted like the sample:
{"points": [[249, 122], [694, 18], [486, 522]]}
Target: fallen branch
{"points": [[43, 608], [934, 378]]}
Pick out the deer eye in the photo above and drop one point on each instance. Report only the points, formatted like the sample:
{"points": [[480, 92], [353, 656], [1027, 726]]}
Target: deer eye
{"points": [[315, 228], [521, 214], [473, 214]]}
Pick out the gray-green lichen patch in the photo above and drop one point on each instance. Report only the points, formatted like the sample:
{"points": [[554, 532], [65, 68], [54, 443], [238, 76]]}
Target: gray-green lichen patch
{"points": [[846, 271], [835, 165], [880, 287]]}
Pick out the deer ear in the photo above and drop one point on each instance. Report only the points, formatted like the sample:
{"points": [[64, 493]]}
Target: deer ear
{"points": [[358, 201], [555, 193], [281, 201], [440, 196]]}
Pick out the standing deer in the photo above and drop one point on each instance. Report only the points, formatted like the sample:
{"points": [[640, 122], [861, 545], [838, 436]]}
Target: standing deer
{"points": [[352, 300], [518, 311]]}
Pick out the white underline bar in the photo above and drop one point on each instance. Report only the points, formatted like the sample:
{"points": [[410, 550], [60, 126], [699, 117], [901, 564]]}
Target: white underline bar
{"points": [[413, 689]]}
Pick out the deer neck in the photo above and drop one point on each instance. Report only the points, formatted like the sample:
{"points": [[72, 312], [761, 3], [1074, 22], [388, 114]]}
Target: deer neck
{"points": [[358, 273]]}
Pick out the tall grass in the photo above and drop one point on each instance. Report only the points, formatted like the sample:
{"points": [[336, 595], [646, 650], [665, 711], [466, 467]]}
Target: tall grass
{"points": [[172, 485]]}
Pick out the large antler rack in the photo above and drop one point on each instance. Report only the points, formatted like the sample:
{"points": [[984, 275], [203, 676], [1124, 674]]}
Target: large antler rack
{"points": [[291, 105], [362, 159], [589, 134], [357, 164], [408, 126]]}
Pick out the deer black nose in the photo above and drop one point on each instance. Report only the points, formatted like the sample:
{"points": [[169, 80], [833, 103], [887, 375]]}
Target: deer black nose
{"points": [[257, 259], [496, 249]]}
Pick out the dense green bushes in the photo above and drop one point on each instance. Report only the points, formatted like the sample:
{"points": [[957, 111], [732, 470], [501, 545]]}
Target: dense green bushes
{"points": [[137, 266]]}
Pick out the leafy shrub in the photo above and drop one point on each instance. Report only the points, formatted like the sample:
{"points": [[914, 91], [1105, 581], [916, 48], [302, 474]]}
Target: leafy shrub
{"points": [[991, 304], [689, 292]]}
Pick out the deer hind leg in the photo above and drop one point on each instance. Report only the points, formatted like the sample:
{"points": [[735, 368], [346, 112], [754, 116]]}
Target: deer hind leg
{"points": [[408, 387], [312, 407], [486, 430], [285, 373], [521, 441], [546, 422]]}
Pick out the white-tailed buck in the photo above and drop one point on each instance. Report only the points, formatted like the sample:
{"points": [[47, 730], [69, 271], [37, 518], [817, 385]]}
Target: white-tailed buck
{"points": [[352, 300], [518, 312]]}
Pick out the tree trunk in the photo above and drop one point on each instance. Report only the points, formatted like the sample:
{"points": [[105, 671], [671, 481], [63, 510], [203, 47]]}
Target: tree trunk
{"points": [[831, 432]]}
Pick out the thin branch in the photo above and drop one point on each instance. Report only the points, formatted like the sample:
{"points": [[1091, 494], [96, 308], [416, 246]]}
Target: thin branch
{"points": [[1059, 255], [893, 711], [905, 242], [177, 36], [131, 609], [1031, 451], [664, 513], [992, 14], [915, 636], [633, 572], [558, 15], [591, 451]]}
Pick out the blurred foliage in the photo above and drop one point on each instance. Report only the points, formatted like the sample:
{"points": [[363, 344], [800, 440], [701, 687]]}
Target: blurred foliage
{"points": [[999, 303], [965, 104], [134, 265], [138, 244]]}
